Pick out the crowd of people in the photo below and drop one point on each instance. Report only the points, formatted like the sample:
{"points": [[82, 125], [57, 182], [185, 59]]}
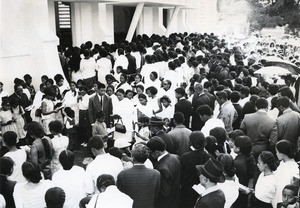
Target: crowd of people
{"points": [[162, 122]]}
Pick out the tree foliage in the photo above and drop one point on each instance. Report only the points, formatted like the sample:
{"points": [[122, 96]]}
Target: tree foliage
{"points": [[279, 13]]}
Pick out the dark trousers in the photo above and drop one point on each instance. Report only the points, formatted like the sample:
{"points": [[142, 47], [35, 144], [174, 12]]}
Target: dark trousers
{"points": [[73, 139]]}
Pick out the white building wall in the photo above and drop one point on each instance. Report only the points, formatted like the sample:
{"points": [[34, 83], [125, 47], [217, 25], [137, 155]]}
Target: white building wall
{"points": [[28, 40], [28, 45]]}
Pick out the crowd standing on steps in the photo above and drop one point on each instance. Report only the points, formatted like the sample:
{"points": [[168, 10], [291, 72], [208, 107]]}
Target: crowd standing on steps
{"points": [[188, 120]]}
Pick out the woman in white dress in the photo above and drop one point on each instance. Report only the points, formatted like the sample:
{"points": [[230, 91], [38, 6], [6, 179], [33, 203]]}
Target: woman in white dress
{"points": [[104, 66], [143, 109], [167, 110], [125, 109], [287, 169], [59, 143], [31, 193], [71, 100]]}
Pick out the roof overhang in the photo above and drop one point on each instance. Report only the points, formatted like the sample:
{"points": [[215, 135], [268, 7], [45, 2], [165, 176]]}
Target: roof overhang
{"points": [[147, 3]]}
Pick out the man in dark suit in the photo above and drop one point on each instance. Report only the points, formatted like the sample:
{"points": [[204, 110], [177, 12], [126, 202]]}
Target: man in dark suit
{"points": [[210, 174], [131, 64], [157, 129], [258, 126], [287, 125], [189, 173], [200, 98], [169, 167], [183, 105], [23, 100], [140, 183], [100, 102]]}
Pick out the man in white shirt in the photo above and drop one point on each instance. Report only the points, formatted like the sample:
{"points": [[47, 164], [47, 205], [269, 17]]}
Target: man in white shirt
{"points": [[206, 115], [104, 163], [121, 60], [71, 179], [109, 196], [88, 69], [227, 111]]}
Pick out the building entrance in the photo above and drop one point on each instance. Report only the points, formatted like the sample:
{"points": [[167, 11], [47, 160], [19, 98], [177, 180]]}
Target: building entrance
{"points": [[122, 19]]}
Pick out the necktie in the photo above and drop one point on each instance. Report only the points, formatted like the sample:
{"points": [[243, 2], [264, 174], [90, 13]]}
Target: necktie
{"points": [[101, 101]]}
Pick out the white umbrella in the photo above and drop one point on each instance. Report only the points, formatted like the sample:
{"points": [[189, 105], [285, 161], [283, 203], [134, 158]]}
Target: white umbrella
{"points": [[272, 70]]}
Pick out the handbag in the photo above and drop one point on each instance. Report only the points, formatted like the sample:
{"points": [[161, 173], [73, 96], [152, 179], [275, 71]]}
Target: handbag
{"points": [[120, 127], [38, 112]]}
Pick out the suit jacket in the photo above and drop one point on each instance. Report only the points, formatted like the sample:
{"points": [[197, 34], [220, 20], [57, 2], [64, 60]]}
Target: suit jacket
{"points": [[141, 184], [168, 140], [215, 199], [131, 64], [287, 127], [169, 168], [184, 106], [190, 176], [23, 99], [198, 100], [258, 127], [95, 106], [181, 139]]}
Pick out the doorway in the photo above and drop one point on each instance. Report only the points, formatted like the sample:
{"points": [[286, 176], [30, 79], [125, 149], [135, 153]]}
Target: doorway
{"points": [[63, 23], [122, 19]]}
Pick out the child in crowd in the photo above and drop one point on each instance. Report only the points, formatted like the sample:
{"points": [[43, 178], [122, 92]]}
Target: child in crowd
{"points": [[7, 120], [69, 125], [287, 169], [99, 127], [18, 114], [289, 196], [265, 189], [167, 124], [119, 71], [143, 134], [137, 81]]}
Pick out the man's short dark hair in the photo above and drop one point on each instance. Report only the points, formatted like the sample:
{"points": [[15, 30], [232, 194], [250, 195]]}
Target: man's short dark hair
{"points": [[204, 110], [245, 91], [66, 159], [178, 117], [10, 138], [96, 142], [235, 96], [56, 126], [140, 153], [105, 180], [222, 95], [180, 91], [284, 102], [254, 90], [156, 143], [261, 103], [58, 77]]}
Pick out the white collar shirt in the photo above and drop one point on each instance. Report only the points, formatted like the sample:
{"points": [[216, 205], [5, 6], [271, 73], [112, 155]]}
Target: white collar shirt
{"points": [[102, 164]]}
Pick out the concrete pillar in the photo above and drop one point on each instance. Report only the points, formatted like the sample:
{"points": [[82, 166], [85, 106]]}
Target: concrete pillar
{"points": [[106, 24], [158, 27], [171, 24], [134, 21], [30, 46], [181, 21], [146, 22], [51, 15], [91, 21]]}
